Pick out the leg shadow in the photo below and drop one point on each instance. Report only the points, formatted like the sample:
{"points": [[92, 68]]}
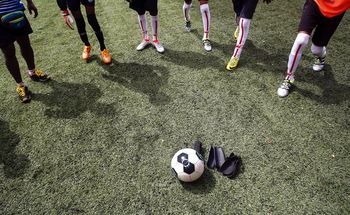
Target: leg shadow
{"points": [[70, 100], [15, 165], [142, 78], [332, 91]]}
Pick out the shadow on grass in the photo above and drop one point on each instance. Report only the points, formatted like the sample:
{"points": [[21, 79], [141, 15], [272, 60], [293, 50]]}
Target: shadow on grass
{"points": [[142, 78], [204, 184], [332, 92], [15, 165], [70, 100]]}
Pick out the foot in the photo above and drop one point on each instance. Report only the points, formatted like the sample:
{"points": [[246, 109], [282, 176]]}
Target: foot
{"points": [[318, 64], [159, 47], [143, 45], [188, 26], [285, 87], [207, 45], [39, 75], [106, 57], [86, 53], [236, 34], [232, 64], [23, 93]]}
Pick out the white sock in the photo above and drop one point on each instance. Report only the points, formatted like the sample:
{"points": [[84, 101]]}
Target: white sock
{"points": [[186, 11], [155, 25], [244, 25], [31, 72], [143, 26], [206, 20], [295, 55], [319, 51]]}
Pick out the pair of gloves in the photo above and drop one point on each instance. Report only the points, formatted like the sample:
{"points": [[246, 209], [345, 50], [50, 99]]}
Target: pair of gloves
{"points": [[68, 19]]}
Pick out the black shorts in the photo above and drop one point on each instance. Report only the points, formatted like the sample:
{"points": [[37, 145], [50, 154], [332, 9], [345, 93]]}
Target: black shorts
{"points": [[9, 36], [74, 5], [312, 18], [141, 6], [244, 8]]}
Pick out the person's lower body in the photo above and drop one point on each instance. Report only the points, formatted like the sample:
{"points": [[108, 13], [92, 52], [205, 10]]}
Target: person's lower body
{"points": [[7, 38], [151, 6], [324, 28], [74, 6], [205, 12], [244, 11]]}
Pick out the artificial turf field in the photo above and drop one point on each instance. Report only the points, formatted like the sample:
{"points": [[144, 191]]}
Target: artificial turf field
{"points": [[99, 139]]}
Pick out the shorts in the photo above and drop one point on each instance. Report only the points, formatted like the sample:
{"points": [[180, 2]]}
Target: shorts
{"points": [[74, 5], [141, 6], [244, 8], [9, 36], [312, 18]]}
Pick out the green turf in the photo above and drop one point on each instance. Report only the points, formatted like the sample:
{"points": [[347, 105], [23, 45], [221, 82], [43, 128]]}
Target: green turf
{"points": [[99, 139]]}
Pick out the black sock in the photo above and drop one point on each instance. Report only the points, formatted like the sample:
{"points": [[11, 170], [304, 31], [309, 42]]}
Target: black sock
{"points": [[94, 24], [82, 32]]}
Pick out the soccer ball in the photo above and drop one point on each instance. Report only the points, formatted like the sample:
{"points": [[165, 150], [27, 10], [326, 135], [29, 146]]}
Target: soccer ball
{"points": [[187, 165]]}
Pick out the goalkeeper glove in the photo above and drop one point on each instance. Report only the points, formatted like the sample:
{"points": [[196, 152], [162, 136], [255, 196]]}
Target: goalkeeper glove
{"points": [[67, 18]]}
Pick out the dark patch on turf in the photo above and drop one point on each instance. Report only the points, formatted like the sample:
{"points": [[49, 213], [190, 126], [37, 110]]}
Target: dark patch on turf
{"points": [[70, 100], [15, 164], [143, 78], [205, 184]]}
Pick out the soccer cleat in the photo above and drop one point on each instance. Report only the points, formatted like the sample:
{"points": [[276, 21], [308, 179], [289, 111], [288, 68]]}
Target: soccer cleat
{"points": [[188, 26], [318, 64], [86, 53], [236, 34], [143, 45], [39, 75], [106, 57], [207, 45], [23, 93], [232, 64], [285, 87], [159, 47]]}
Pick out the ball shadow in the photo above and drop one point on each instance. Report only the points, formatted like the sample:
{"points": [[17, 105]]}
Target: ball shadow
{"points": [[15, 165], [205, 184], [141, 78], [70, 100]]}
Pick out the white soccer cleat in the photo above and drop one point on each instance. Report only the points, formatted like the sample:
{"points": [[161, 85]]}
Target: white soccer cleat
{"points": [[285, 87], [207, 45], [143, 45], [318, 64], [159, 47]]}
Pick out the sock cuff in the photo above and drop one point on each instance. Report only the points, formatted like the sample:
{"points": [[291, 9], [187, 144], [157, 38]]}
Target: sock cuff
{"points": [[204, 7]]}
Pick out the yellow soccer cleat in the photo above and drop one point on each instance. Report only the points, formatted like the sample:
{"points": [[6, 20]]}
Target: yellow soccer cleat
{"points": [[23, 93], [232, 64]]}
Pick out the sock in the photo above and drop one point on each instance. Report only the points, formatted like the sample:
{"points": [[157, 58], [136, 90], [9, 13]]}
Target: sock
{"points": [[295, 54], [319, 51], [186, 11], [81, 29], [31, 71], [143, 26], [21, 84], [155, 25], [96, 27], [206, 20], [244, 25]]}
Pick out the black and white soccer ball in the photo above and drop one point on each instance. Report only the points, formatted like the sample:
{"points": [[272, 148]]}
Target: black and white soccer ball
{"points": [[187, 165]]}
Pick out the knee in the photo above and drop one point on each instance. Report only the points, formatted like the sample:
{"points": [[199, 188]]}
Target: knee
{"points": [[302, 39], [9, 52], [154, 12]]}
